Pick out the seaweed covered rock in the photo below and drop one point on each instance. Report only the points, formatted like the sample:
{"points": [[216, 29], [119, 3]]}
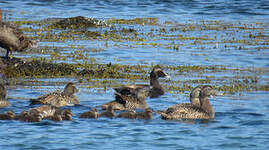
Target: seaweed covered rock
{"points": [[16, 67], [78, 22]]}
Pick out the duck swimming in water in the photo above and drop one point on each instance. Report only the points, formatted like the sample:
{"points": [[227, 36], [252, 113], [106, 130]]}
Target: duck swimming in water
{"points": [[109, 113], [155, 90], [10, 115], [136, 100], [13, 39], [130, 114], [59, 99], [3, 92], [93, 113], [199, 108], [147, 114]]}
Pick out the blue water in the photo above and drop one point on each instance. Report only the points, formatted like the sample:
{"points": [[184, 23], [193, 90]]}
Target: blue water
{"points": [[241, 122]]}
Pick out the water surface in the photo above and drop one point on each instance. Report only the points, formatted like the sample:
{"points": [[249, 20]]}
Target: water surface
{"points": [[242, 120]]}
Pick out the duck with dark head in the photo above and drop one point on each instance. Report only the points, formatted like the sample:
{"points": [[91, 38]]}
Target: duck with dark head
{"points": [[3, 92], [13, 39], [59, 99], [199, 108], [155, 90]]}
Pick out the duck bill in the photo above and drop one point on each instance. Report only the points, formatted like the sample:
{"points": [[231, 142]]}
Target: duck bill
{"points": [[167, 76], [217, 93]]}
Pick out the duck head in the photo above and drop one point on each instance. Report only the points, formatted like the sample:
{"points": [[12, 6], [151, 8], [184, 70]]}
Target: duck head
{"points": [[70, 89], [195, 96], [209, 91], [157, 72]]}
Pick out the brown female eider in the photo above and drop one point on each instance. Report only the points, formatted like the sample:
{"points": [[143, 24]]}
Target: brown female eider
{"points": [[201, 109], [3, 92], [155, 88], [59, 99], [13, 39]]}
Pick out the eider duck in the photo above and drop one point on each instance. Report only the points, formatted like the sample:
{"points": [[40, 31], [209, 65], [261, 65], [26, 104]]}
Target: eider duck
{"points": [[137, 100], [10, 115], [59, 99], [93, 113], [147, 114], [155, 90], [13, 39], [109, 113], [3, 92], [199, 108], [130, 114]]}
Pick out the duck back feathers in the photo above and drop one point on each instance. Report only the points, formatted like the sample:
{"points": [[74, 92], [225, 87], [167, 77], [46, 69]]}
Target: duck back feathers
{"points": [[58, 98]]}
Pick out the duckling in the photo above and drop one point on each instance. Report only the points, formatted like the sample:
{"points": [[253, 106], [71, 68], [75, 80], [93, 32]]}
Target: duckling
{"points": [[67, 114], [130, 114], [44, 111], [147, 114], [59, 99], [194, 110], [109, 113], [29, 117], [155, 90], [129, 102], [10, 115], [13, 39], [93, 113], [55, 117], [3, 92]]}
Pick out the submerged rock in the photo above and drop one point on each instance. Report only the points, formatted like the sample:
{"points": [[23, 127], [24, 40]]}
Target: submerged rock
{"points": [[78, 22], [15, 67]]}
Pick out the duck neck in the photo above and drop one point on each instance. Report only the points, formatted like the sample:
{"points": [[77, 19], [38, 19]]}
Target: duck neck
{"points": [[155, 83], [2, 97], [207, 107], [195, 101]]}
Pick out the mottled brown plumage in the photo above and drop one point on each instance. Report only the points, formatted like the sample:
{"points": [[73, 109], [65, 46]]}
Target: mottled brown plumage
{"points": [[3, 92], [29, 117], [136, 100], [194, 110], [59, 99], [13, 39], [44, 112]]}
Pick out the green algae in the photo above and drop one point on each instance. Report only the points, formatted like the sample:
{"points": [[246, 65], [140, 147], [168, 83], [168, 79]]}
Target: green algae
{"points": [[140, 21], [170, 36]]}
